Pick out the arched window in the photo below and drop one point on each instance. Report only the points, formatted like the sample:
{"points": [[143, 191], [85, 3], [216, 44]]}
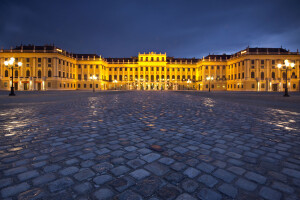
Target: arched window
{"points": [[293, 75], [273, 75], [157, 77], [168, 77], [146, 77], [27, 73], [6, 73], [252, 74], [183, 77], [152, 77], [16, 73], [262, 75], [162, 77], [178, 77], [39, 74], [173, 77], [49, 73], [189, 77]]}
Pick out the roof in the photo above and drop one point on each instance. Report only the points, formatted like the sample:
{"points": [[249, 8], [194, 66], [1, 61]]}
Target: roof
{"points": [[218, 57]]}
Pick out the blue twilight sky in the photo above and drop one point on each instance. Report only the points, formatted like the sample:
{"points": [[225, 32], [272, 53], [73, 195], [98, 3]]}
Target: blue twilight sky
{"points": [[182, 28]]}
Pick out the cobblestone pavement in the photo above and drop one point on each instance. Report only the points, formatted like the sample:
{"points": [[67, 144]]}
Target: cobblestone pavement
{"points": [[147, 145]]}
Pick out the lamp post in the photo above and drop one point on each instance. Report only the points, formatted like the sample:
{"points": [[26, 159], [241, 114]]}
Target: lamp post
{"points": [[188, 82], [93, 78], [10, 64], [209, 78], [286, 65], [115, 82]]}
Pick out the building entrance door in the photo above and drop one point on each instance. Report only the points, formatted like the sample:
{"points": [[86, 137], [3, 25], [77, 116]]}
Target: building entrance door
{"points": [[39, 86], [275, 87], [25, 86], [16, 86]]}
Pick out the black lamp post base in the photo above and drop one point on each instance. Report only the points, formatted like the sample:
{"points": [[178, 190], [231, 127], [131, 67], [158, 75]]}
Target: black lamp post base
{"points": [[286, 95], [12, 92]]}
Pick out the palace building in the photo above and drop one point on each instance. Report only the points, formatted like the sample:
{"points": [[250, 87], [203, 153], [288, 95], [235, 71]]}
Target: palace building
{"points": [[52, 68]]}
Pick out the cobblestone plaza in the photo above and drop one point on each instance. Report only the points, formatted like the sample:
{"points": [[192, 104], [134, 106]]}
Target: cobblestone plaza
{"points": [[149, 145]]}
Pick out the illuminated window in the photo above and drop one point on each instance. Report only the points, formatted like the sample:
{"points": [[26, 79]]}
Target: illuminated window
{"points": [[152, 59], [146, 58], [6, 73], [163, 59], [157, 59], [16, 73], [262, 75], [27, 73], [141, 58], [252, 74]]}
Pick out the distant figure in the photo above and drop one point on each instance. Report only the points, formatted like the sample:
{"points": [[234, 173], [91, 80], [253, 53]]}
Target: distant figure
{"points": [[161, 88]]}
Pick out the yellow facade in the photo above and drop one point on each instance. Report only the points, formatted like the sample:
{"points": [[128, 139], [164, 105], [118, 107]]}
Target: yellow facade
{"points": [[51, 68]]}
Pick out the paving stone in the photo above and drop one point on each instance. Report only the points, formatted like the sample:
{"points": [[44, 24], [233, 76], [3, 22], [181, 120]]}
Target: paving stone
{"points": [[282, 187], [121, 184], [135, 163], [291, 172], [28, 175], [256, 177], [51, 168], [87, 156], [150, 157], [189, 185], [157, 168], [185, 196], [43, 179], [245, 184], [5, 182], [191, 172], [178, 166], [205, 167], [33, 194], [102, 151], [83, 188], [166, 161], [84, 174], [14, 171], [120, 170], [130, 148], [269, 194], [180, 149], [69, 170], [130, 195], [168, 192], [156, 147], [229, 190], [237, 170], [15, 189], [102, 179], [224, 175], [148, 186], [102, 167], [139, 174], [174, 177], [60, 184], [208, 180], [208, 194], [103, 194]]}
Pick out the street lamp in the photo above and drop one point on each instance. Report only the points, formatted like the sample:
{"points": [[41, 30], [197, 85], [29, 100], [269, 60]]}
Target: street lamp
{"points": [[209, 78], [93, 78], [115, 82], [286, 65], [10, 64], [188, 82]]}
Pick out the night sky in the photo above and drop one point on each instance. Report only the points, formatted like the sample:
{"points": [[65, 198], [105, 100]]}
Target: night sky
{"points": [[124, 28]]}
